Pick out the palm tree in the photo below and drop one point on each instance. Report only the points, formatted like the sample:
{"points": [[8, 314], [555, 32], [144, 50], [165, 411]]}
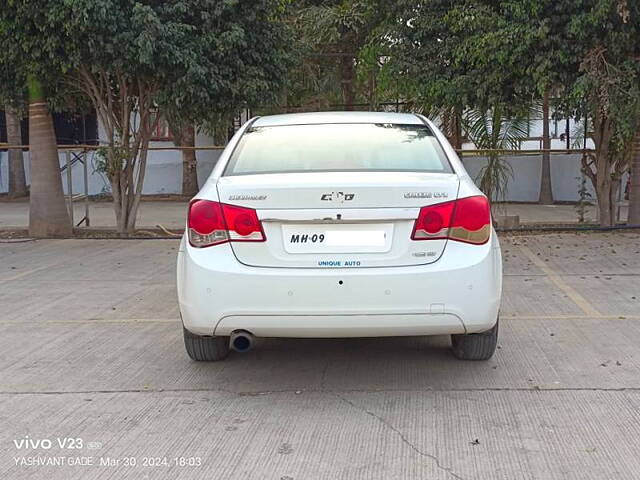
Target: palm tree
{"points": [[17, 181], [490, 130], [48, 216]]}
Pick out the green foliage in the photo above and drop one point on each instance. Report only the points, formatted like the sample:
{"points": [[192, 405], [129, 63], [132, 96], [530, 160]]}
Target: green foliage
{"points": [[460, 54], [335, 23], [12, 87], [330, 39], [29, 50], [232, 55], [484, 54], [479, 53], [203, 55], [110, 159]]}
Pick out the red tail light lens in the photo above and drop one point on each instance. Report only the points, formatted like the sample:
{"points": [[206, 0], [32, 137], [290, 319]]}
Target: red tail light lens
{"points": [[212, 223], [465, 220], [205, 224], [243, 224], [433, 222]]}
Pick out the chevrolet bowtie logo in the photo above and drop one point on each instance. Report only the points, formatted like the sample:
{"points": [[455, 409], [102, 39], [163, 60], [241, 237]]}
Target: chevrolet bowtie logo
{"points": [[339, 197]]}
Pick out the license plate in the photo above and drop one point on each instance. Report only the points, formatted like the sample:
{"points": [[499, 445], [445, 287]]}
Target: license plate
{"points": [[328, 238]]}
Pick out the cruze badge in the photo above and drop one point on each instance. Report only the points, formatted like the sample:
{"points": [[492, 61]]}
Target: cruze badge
{"points": [[426, 195], [337, 197]]}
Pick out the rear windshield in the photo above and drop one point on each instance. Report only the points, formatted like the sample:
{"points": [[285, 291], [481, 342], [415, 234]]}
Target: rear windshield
{"points": [[338, 147]]}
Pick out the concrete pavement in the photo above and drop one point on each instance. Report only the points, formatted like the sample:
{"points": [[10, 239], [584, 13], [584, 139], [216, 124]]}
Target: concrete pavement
{"points": [[91, 348]]}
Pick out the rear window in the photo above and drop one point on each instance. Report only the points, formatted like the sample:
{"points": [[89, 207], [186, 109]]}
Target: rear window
{"points": [[338, 147]]}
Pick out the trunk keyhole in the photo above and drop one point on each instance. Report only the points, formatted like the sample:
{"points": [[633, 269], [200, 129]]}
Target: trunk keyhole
{"points": [[340, 282]]}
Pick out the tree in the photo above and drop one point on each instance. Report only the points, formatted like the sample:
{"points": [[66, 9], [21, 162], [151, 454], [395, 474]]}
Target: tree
{"points": [[435, 45], [17, 179], [592, 51], [135, 60], [244, 64], [483, 53], [539, 27], [26, 62], [330, 36], [610, 84], [12, 89], [523, 45], [48, 215]]}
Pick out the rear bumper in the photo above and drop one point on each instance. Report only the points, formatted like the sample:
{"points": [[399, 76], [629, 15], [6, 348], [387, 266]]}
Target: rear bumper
{"points": [[331, 326], [460, 293]]}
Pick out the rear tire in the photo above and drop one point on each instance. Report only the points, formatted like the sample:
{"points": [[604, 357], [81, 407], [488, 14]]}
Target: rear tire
{"points": [[205, 349], [475, 346]]}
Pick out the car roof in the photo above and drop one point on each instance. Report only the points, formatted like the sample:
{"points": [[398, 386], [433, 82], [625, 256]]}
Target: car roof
{"points": [[311, 118]]}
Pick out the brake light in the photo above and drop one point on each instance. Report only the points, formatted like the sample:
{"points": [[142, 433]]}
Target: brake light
{"points": [[465, 220], [242, 224], [212, 223]]}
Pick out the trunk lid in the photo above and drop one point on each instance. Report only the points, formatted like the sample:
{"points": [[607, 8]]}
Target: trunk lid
{"points": [[338, 220]]}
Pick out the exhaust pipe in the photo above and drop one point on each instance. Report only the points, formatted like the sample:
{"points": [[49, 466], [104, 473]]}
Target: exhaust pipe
{"points": [[241, 341]]}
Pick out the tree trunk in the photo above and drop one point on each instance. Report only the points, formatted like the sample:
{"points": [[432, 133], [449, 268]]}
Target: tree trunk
{"points": [[48, 216], [136, 194], [634, 187], [601, 176], [189, 162], [546, 194], [448, 126], [452, 123], [457, 128], [348, 74], [17, 181], [605, 206], [373, 100]]}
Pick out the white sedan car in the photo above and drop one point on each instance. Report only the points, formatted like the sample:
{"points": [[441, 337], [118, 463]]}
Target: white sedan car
{"points": [[345, 224]]}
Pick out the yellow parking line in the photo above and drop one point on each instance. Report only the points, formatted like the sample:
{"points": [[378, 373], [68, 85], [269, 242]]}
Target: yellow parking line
{"points": [[578, 299]]}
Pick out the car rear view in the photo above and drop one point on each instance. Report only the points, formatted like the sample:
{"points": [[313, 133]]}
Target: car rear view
{"points": [[338, 225]]}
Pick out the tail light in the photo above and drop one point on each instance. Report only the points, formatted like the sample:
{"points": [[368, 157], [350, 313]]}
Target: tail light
{"points": [[213, 223], [465, 220]]}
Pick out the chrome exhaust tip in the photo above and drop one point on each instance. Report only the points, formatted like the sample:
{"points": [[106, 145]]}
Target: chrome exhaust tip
{"points": [[241, 341]]}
